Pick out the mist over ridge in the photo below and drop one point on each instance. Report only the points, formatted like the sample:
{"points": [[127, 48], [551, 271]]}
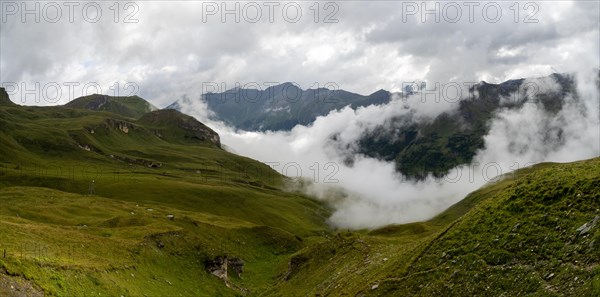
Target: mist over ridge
{"points": [[368, 192]]}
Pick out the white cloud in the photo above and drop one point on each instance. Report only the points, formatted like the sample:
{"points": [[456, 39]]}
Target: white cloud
{"points": [[369, 193]]}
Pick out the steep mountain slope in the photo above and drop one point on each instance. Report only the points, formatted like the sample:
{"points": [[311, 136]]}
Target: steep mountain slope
{"points": [[538, 235], [453, 138], [533, 233], [4, 99], [281, 107], [131, 106]]}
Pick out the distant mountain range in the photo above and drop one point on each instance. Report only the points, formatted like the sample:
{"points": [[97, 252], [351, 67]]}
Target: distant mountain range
{"points": [[418, 148], [453, 138], [281, 107]]}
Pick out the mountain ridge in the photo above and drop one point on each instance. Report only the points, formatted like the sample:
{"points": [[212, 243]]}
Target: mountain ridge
{"points": [[280, 107], [128, 106], [288, 96], [418, 148]]}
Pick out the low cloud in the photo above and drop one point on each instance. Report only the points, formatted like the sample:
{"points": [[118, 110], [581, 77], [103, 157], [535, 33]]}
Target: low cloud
{"points": [[370, 193]]}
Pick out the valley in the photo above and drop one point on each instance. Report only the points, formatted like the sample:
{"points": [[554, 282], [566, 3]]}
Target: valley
{"points": [[103, 203]]}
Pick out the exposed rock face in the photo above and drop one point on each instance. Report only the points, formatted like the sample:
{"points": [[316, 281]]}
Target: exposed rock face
{"points": [[236, 265], [4, 99], [585, 228], [96, 102], [123, 126], [17, 286], [219, 267], [294, 266]]}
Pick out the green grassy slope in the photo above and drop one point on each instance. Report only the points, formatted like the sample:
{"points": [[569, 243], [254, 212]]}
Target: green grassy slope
{"points": [[128, 106], [520, 236], [525, 239], [78, 245], [85, 195]]}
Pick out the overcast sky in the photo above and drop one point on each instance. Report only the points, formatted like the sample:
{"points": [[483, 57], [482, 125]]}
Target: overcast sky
{"points": [[168, 50]]}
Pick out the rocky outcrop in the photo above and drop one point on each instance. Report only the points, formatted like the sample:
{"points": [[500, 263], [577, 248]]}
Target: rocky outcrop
{"points": [[172, 123], [585, 228], [4, 99], [295, 265], [220, 265], [13, 285]]}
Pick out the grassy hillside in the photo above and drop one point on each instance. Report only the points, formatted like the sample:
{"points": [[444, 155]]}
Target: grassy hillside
{"points": [[533, 233], [537, 236], [96, 203], [127, 106]]}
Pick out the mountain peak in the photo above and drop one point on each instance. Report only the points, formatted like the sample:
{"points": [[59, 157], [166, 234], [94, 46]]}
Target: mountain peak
{"points": [[285, 86], [380, 92], [4, 98], [287, 83], [128, 106]]}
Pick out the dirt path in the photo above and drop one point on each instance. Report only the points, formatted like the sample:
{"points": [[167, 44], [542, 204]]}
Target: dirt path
{"points": [[15, 286]]}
